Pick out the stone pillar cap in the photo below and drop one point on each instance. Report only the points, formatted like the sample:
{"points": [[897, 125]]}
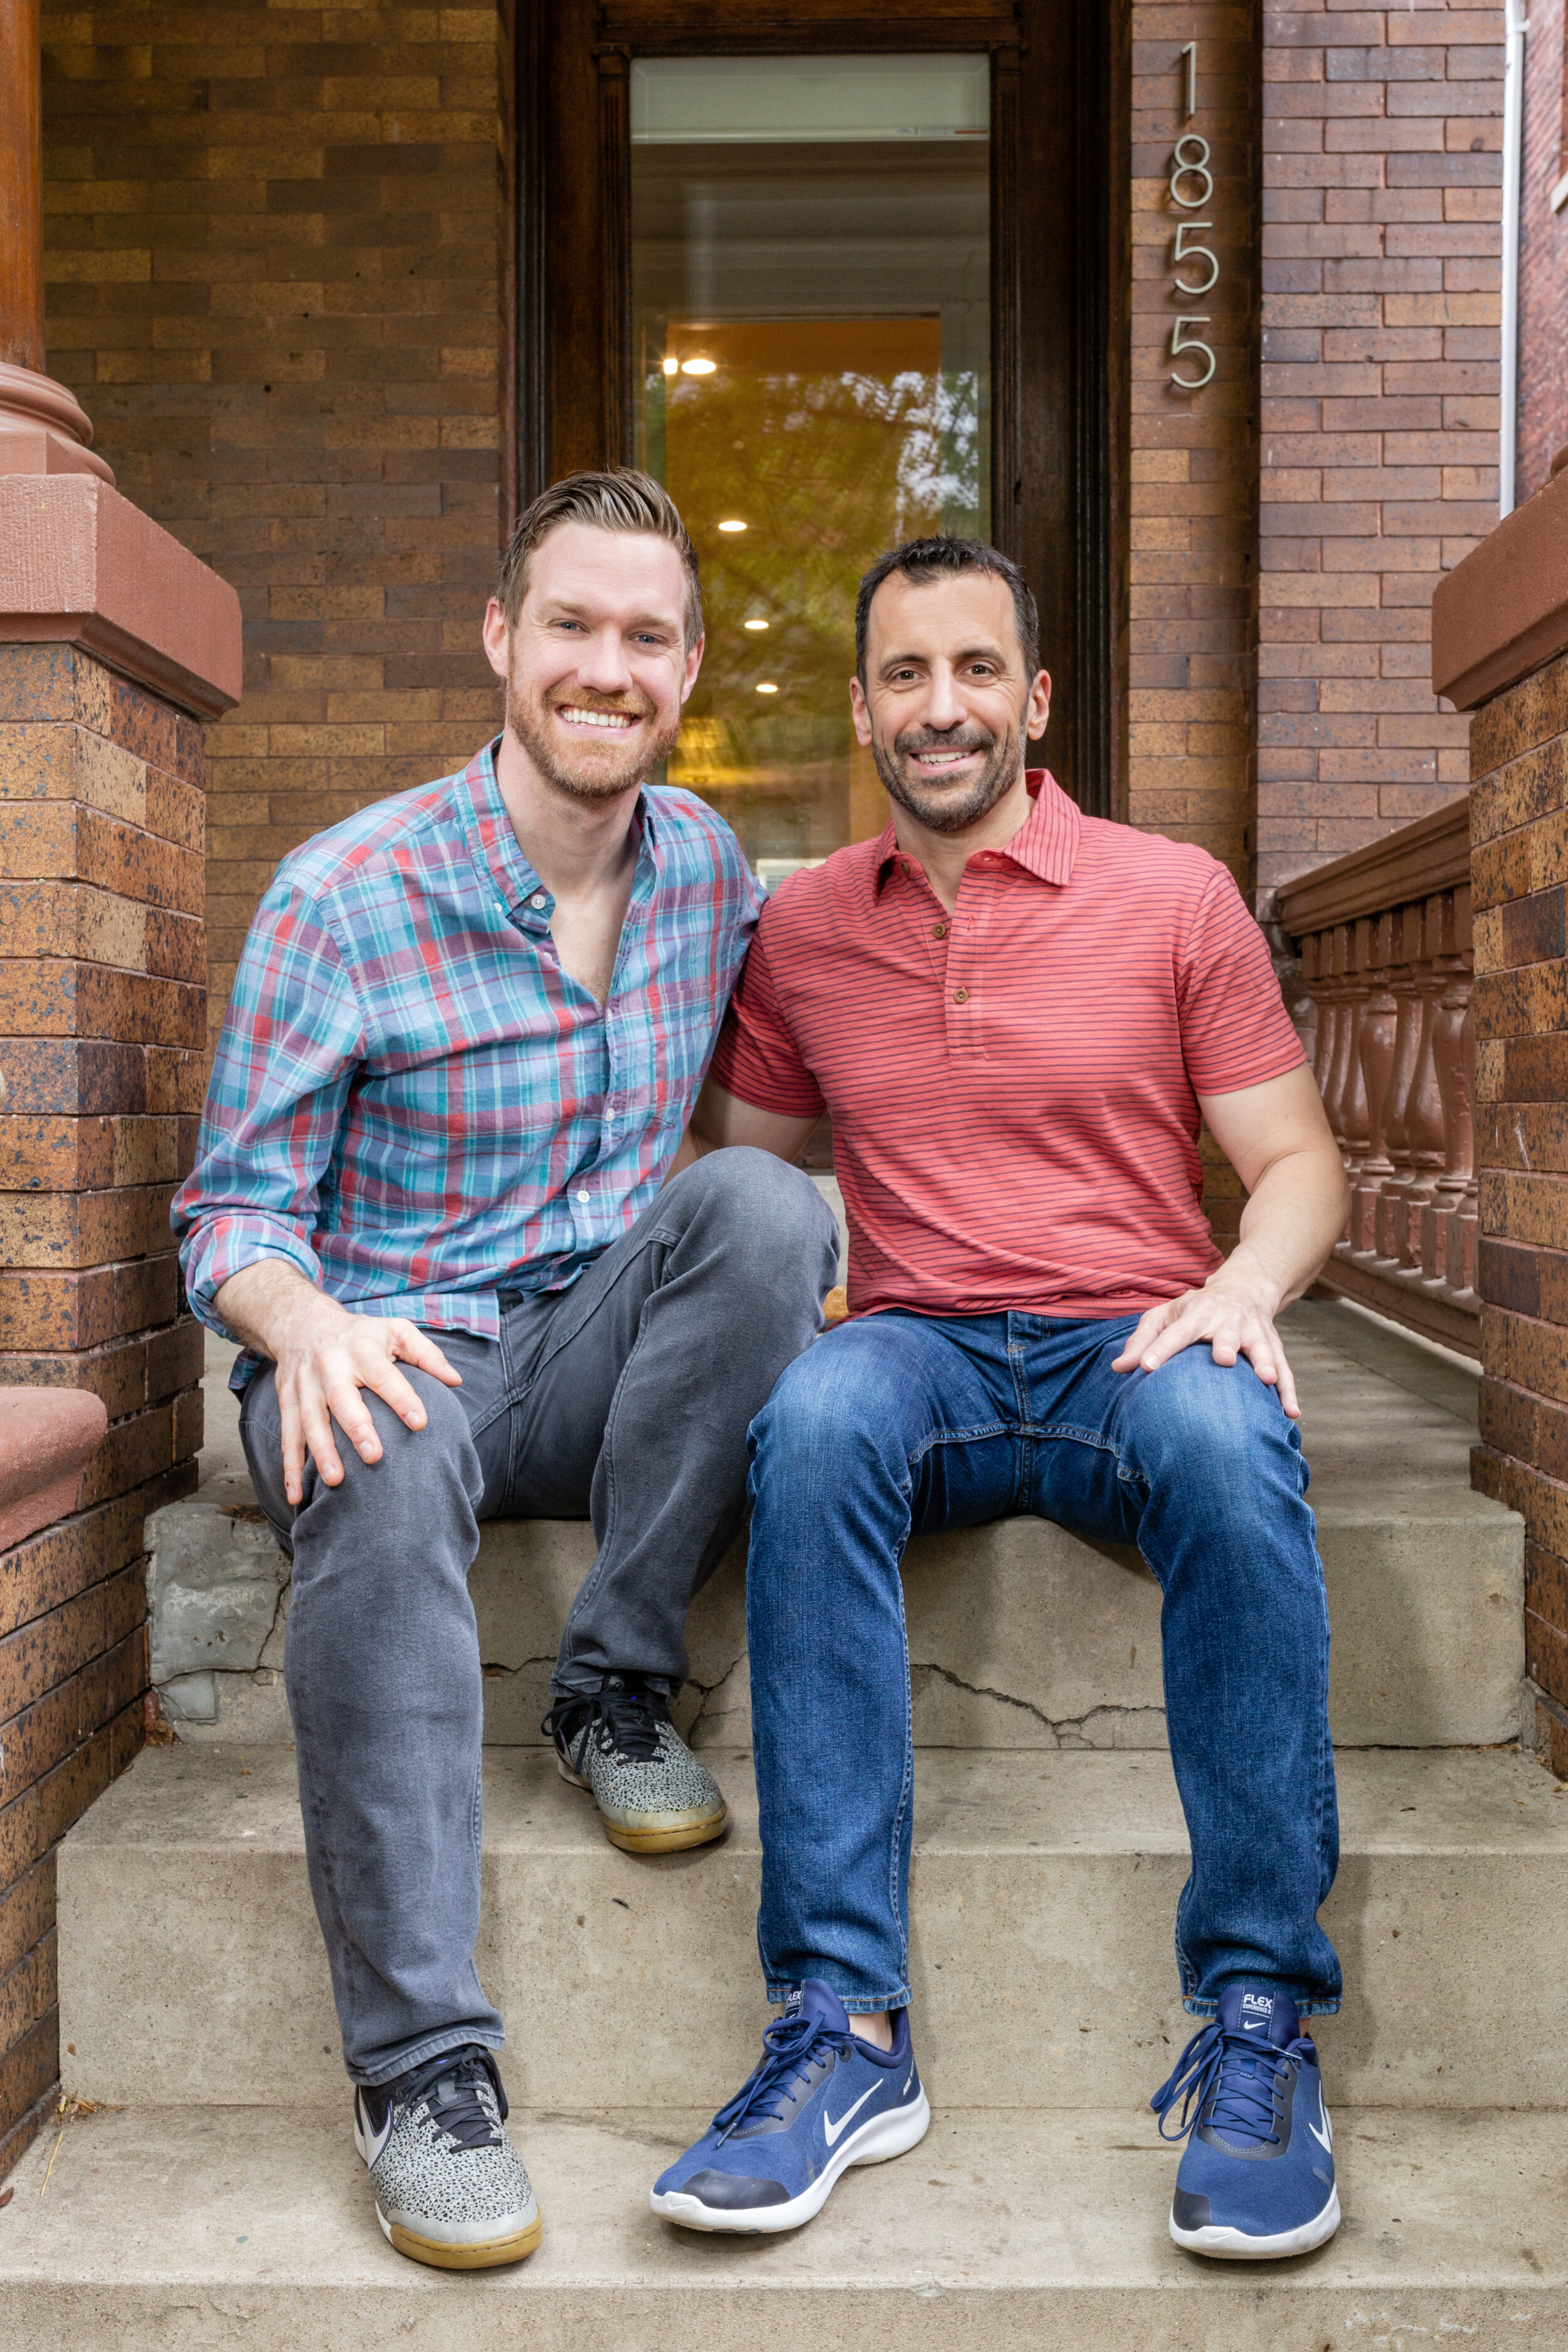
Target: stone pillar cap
{"points": [[1503, 611], [48, 1436], [82, 565]]}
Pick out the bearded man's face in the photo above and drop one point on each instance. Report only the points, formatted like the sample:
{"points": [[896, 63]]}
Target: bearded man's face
{"points": [[946, 702], [597, 668]]}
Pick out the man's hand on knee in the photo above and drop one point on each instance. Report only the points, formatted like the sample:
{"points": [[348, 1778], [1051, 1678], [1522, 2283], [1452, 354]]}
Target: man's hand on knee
{"points": [[325, 1356], [1233, 1314]]}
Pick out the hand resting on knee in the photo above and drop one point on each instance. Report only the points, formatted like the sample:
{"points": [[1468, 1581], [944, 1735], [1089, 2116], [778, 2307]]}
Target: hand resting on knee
{"points": [[323, 1357]]}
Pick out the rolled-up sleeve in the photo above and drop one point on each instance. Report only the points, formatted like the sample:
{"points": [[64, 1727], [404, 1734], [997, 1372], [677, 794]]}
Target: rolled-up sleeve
{"points": [[291, 1041]]}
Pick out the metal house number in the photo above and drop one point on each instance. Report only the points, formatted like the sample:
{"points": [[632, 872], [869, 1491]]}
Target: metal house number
{"points": [[1191, 190]]}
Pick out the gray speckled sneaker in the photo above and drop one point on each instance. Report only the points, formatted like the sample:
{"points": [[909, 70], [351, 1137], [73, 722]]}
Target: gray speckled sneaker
{"points": [[450, 2187], [620, 1745]]}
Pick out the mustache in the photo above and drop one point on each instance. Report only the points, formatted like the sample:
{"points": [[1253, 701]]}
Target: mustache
{"points": [[637, 706], [970, 737]]}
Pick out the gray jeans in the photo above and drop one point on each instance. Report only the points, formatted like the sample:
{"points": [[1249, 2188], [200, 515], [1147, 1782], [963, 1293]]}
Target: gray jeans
{"points": [[625, 1398]]}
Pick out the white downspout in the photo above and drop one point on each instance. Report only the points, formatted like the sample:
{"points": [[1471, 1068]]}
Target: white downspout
{"points": [[1516, 24]]}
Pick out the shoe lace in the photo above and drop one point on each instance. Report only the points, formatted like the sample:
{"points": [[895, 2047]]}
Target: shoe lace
{"points": [[620, 1720], [449, 2086], [1226, 2081], [790, 2044]]}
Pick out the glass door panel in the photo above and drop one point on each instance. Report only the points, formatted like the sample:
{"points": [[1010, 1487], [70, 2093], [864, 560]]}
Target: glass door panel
{"points": [[811, 350]]}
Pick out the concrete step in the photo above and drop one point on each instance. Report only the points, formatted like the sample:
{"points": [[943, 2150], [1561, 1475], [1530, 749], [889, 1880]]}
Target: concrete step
{"points": [[1046, 1885], [1021, 1636], [193, 2230]]}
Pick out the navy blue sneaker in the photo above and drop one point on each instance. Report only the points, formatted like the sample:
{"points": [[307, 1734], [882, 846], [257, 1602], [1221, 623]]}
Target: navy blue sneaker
{"points": [[820, 2101], [1257, 2176]]}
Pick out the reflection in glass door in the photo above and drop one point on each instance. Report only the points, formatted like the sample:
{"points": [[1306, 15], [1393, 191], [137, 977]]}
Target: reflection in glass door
{"points": [[811, 347]]}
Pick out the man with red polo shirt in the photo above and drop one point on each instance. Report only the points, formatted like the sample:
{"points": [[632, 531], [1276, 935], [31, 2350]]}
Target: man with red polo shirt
{"points": [[1015, 1015]]}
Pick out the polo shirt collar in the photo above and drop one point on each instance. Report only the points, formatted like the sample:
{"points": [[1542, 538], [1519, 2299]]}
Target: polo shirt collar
{"points": [[1046, 843], [500, 854]]}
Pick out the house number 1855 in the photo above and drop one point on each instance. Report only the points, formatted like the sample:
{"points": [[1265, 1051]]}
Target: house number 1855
{"points": [[1194, 267]]}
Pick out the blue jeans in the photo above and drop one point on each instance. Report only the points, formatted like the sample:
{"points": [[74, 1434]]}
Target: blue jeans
{"points": [[903, 1424]]}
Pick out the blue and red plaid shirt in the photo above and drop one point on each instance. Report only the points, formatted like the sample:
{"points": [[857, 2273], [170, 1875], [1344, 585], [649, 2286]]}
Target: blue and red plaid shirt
{"points": [[412, 1102]]}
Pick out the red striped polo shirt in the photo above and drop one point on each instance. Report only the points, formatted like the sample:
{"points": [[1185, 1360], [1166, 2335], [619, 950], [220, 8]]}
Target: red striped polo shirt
{"points": [[1014, 1089]]}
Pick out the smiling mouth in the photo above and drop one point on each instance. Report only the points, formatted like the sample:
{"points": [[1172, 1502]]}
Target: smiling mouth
{"points": [[936, 761], [617, 721]]}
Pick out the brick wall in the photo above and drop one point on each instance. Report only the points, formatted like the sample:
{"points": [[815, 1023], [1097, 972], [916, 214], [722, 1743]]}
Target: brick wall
{"points": [[102, 1022], [271, 280], [1193, 490], [1381, 195], [1519, 814], [1543, 253]]}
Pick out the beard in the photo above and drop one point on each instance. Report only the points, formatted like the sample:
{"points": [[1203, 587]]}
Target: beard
{"points": [[997, 775], [601, 769]]}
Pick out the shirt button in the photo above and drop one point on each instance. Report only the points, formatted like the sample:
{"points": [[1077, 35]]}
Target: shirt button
{"points": [[583, 1198], [538, 898], [939, 931], [961, 995]]}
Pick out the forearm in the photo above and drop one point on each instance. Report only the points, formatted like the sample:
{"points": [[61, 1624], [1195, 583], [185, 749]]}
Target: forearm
{"points": [[1288, 1228], [269, 1304]]}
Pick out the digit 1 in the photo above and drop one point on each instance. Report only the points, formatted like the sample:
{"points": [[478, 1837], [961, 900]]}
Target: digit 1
{"points": [[1190, 55]]}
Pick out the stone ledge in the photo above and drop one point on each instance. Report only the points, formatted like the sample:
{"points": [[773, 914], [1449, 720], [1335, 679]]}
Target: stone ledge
{"points": [[81, 564], [1504, 610], [47, 1437]]}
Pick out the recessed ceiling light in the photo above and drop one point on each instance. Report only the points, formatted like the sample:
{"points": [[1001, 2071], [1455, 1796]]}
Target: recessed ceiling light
{"points": [[672, 365], [767, 689], [756, 624], [731, 525], [697, 367]]}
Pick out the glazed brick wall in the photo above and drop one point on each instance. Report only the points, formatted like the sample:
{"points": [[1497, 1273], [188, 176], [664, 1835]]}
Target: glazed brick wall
{"points": [[271, 280], [1519, 832], [1543, 253], [1193, 487], [101, 1035], [1382, 174]]}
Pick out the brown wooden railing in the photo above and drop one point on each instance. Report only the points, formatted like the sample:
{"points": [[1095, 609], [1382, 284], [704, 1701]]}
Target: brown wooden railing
{"points": [[1384, 942]]}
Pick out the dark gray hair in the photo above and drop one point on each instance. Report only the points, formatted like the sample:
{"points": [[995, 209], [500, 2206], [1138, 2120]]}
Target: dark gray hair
{"points": [[924, 560], [622, 499]]}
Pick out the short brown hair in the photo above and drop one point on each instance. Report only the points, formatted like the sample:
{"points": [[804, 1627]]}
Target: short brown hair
{"points": [[924, 560], [622, 499]]}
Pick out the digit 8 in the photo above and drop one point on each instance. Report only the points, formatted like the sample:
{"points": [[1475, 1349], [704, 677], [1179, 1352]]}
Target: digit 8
{"points": [[1195, 167]]}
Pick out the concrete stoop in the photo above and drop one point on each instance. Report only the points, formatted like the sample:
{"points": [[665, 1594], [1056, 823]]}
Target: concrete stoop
{"points": [[214, 2197], [180, 2230], [1021, 1636]]}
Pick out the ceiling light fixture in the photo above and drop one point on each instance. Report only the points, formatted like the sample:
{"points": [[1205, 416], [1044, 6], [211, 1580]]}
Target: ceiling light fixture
{"points": [[767, 689], [671, 365], [697, 367], [731, 525], [756, 624]]}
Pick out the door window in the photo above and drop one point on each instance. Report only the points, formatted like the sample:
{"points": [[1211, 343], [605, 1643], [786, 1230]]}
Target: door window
{"points": [[811, 354]]}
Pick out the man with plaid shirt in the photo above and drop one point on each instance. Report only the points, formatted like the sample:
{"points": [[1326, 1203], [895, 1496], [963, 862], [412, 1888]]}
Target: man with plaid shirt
{"points": [[466, 1036]]}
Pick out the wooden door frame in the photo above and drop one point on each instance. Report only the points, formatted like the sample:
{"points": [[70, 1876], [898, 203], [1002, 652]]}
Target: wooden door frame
{"points": [[1058, 252]]}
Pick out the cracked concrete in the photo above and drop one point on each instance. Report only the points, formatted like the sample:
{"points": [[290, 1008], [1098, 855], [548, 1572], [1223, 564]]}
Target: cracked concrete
{"points": [[1023, 1636], [952, 1713]]}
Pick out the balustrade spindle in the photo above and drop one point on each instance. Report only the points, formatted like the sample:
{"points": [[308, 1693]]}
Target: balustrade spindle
{"points": [[1384, 942]]}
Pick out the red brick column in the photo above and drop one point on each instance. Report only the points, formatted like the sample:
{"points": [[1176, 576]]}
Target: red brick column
{"points": [[1543, 249], [115, 645], [1500, 648]]}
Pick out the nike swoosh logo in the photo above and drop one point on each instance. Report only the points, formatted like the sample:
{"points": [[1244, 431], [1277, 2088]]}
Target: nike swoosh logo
{"points": [[831, 2130], [1252, 2029], [1325, 2138], [374, 2142]]}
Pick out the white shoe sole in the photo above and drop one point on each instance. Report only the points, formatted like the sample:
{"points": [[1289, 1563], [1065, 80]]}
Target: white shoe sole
{"points": [[886, 2135], [1235, 2246]]}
